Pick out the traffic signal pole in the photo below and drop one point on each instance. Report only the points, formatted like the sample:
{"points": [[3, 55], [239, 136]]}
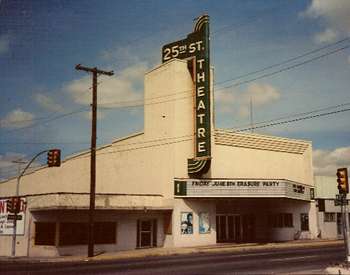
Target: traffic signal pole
{"points": [[18, 202], [347, 231], [13, 250], [94, 72], [343, 187]]}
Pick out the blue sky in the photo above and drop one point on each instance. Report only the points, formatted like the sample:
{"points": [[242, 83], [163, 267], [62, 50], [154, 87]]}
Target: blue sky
{"points": [[42, 41]]}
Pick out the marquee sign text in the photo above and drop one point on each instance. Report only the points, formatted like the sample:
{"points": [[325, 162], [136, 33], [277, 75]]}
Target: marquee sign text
{"points": [[244, 188]]}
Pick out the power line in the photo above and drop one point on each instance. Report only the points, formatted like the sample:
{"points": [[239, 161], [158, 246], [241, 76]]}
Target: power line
{"points": [[170, 138], [247, 74], [138, 148], [293, 120], [258, 127], [142, 147], [284, 62], [232, 85], [286, 68], [48, 120], [153, 140], [27, 120], [44, 143], [146, 104], [142, 102], [188, 139], [261, 13], [297, 114], [162, 139]]}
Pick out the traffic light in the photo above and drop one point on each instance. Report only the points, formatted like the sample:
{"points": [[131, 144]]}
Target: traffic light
{"points": [[13, 205], [16, 204], [342, 179], [54, 158], [9, 206]]}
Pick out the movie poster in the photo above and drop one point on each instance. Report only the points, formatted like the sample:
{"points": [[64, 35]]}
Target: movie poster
{"points": [[204, 223], [186, 223]]}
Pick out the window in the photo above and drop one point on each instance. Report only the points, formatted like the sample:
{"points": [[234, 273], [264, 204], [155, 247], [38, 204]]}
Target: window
{"points": [[321, 205], [105, 232], [329, 217], [278, 220], [288, 219], [73, 233], [304, 221], [45, 233]]}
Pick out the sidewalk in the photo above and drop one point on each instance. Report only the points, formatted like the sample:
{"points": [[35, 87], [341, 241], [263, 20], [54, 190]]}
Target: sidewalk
{"points": [[142, 253]]}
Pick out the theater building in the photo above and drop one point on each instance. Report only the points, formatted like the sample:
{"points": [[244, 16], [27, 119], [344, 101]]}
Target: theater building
{"points": [[180, 182]]}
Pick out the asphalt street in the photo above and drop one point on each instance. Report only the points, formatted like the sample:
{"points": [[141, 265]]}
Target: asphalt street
{"points": [[301, 260]]}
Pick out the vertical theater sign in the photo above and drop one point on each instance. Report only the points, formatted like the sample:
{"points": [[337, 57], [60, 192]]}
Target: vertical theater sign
{"points": [[195, 49]]}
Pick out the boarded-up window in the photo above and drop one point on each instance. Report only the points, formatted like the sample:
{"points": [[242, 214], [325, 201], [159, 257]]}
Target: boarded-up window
{"points": [[72, 233], [45, 233], [281, 220], [105, 232], [329, 217]]}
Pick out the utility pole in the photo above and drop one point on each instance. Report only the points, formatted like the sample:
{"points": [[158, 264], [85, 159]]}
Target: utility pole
{"points": [[94, 72]]}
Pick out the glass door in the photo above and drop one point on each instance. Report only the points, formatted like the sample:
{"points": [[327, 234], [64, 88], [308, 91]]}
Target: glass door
{"points": [[228, 228], [145, 233]]}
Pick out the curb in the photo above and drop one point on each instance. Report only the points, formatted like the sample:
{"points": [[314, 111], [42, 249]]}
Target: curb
{"points": [[153, 252]]}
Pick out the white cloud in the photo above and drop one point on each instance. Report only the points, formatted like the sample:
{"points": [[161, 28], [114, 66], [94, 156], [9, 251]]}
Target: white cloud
{"points": [[17, 119], [7, 159], [120, 56], [228, 101], [4, 44], [9, 167], [261, 94], [326, 162], [335, 13], [112, 91], [48, 103], [123, 57], [328, 35], [225, 100]]}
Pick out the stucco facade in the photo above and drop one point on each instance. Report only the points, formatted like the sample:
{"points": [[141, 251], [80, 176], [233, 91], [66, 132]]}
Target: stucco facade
{"points": [[268, 197], [329, 215]]}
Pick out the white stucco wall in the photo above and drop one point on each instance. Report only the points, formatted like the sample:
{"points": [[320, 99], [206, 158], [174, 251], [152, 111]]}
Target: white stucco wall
{"points": [[237, 162], [328, 229], [195, 239]]}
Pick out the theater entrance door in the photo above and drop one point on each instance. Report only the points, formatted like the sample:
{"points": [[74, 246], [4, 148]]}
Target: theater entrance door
{"points": [[234, 228]]}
